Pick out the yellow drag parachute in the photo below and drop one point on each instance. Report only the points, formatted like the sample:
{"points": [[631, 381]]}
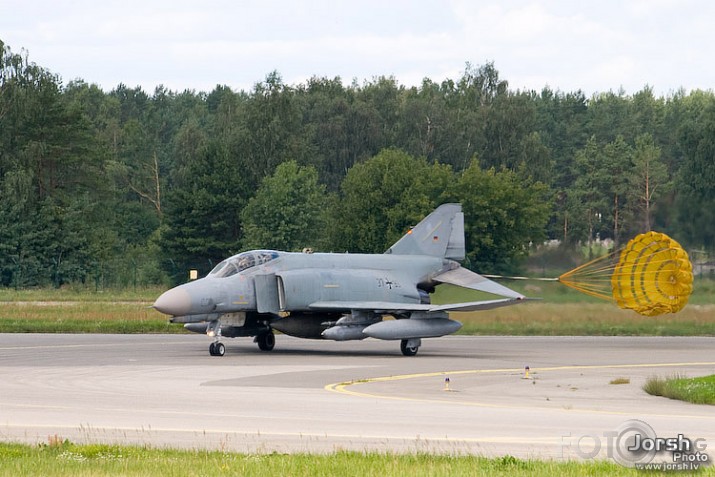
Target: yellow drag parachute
{"points": [[651, 275]]}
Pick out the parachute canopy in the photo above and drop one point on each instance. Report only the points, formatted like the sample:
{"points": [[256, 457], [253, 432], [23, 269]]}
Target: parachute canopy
{"points": [[651, 275]]}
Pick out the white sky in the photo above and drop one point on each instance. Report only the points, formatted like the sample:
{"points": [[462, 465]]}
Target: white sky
{"points": [[594, 46]]}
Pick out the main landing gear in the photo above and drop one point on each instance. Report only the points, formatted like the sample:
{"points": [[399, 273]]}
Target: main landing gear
{"points": [[410, 347], [266, 341]]}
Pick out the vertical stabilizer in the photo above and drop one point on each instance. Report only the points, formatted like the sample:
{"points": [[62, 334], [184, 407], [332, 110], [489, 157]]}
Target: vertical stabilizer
{"points": [[440, 234]]}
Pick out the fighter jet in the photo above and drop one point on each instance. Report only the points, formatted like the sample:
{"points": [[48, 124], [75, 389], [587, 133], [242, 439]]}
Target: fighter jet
{"points": [[337, 296]]}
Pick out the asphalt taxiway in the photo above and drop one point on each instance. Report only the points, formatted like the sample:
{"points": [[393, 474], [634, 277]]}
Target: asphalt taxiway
{"points": [[320, 396]]}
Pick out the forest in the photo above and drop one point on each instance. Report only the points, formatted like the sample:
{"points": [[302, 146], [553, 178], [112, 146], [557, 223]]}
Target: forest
{"points": [[133, 188]]}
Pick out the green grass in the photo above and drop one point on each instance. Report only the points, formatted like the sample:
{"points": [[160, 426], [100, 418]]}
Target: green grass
{"points": [[585, 319], [60, 458], [560, 311], [80, 293], [82, 317], [530, 319], [696, 390]]}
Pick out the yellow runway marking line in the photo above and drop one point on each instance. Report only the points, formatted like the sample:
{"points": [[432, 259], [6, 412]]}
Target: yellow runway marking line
{"points": [[342, 388]]}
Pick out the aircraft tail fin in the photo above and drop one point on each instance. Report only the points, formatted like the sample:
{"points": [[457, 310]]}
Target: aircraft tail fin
{"points": [[440, 234]]}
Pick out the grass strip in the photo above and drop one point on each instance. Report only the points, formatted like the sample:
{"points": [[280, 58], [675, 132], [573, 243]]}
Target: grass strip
{"points": [[66, 459], [529, 319], [562, 312], [80, 293], [586, 319], [699, 390], [82, 317]]}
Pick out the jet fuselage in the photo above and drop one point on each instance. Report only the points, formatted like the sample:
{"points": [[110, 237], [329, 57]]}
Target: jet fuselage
{"points": [[290, 282]]}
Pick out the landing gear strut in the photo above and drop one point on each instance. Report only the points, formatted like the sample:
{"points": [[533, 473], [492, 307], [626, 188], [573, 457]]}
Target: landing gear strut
{"points": [[216, 348], [410, 347], [266, 341]]}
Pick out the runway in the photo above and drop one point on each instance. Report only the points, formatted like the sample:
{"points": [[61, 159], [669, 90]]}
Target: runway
{"points": [[320, 396]]}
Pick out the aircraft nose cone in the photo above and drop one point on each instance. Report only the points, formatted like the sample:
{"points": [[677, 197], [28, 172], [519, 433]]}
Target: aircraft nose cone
{"points": [[176, 302]]}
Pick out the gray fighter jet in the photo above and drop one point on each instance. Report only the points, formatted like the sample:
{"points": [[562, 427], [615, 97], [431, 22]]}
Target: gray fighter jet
{"points": [[337, 296]]}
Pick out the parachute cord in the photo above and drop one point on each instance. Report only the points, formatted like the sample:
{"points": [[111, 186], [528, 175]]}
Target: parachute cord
{"points": [[584, 269], [589, 289], [522, 278]]}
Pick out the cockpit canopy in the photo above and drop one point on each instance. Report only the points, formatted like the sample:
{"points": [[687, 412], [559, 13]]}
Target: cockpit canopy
{"points": [[242, 261]]}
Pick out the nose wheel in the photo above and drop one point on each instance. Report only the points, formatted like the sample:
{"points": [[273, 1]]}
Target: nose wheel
{"points": [[217, 349]]}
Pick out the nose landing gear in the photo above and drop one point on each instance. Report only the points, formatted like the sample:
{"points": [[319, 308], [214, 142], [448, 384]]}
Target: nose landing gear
{"points": [[217, 349]]}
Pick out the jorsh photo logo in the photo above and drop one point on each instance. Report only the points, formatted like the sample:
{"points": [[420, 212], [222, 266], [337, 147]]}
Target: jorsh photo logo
{"points": [[635, 444]]}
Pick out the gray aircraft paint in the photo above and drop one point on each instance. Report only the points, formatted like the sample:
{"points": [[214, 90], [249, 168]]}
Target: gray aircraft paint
{"points": [[338, 296]]}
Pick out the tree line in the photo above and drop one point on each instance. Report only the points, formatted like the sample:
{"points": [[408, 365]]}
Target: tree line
{"points": [[128, 187]]}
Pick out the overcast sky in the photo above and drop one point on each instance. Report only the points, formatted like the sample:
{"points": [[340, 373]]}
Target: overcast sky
{"points": [[568, 45]]}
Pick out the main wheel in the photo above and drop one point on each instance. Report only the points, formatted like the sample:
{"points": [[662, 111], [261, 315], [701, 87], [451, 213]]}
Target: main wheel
{"points": [[407, 349], [266, 341]]}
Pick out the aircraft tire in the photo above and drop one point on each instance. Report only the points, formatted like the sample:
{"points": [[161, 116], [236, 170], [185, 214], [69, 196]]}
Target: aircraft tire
{"points": [[266, 341], [217, 349], [408, 350]]}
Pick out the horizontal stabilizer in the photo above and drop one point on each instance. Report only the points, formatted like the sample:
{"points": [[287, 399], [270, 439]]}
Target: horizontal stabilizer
{"points": [[468, 279], [479, 305]]}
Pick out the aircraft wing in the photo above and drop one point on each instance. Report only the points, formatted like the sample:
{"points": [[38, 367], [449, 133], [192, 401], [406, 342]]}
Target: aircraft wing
{"points": [[383, 306], [369, 306]]}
